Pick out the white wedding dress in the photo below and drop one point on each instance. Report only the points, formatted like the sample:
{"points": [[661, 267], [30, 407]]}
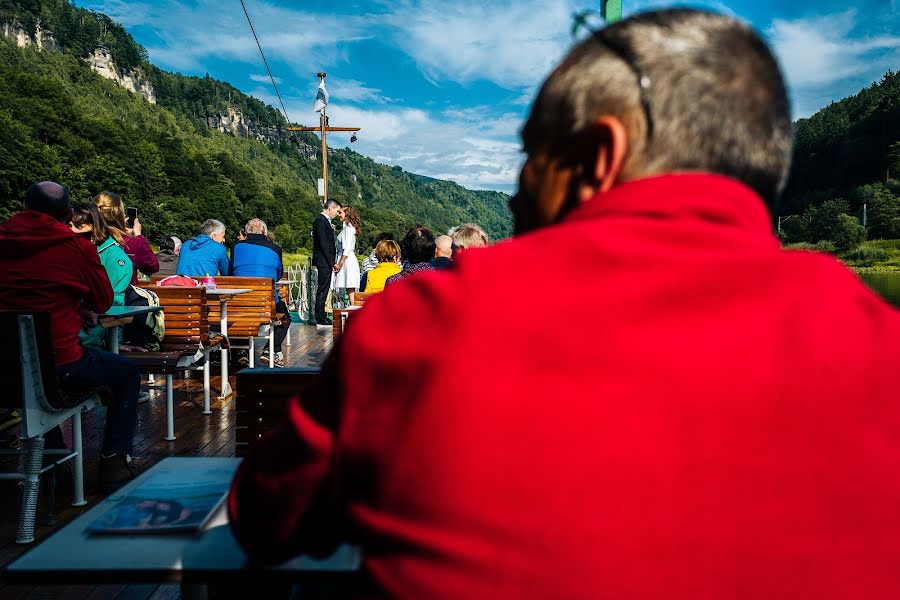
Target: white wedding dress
{"points": [[348, 276]]}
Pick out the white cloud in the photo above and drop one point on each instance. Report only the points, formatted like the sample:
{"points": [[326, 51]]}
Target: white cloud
{"points": [[192, 32], [823, 60], [513, 44], [263, 78]]}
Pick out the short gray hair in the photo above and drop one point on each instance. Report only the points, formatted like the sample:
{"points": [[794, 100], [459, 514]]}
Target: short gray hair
{"points": [[256, 226], [211, 226], [716, 95]]}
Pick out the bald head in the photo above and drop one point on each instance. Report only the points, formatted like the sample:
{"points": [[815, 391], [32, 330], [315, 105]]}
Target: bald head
{"points": [[443, 246], [49, 198]]}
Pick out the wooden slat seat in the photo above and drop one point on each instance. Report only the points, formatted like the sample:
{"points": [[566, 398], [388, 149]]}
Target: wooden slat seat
{"points": [[186, 341], [262, 399]]}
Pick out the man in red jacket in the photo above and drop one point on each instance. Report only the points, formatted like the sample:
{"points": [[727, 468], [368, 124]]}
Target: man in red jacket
{"points": [[716, 418], [44, 266]]}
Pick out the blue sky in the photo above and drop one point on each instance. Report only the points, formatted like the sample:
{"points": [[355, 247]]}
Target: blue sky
{"points": [[442, 88]]}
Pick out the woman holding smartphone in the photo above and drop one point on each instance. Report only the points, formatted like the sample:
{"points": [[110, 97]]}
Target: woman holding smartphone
{"points": [[136, 246]]}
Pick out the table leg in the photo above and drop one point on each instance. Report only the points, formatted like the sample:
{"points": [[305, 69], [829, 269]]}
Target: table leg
{"points": [[170, 410], [78, 461], [223, 324], [113, 334], [206, 369]]}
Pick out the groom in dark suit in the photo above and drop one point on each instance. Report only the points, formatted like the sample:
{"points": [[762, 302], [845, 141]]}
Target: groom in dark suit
{"points": [[323, 256]]}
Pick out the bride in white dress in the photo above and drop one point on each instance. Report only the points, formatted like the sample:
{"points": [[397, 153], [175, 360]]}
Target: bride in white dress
{"points": [[346, 267]]}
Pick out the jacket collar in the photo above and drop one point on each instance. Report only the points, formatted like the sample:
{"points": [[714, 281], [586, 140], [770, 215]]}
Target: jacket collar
{"points": [[110, 241], [698, 196]]}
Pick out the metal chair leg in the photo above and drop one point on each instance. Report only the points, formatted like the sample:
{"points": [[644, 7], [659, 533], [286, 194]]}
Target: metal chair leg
{"points": [[170, 409], [206, 369], [30, 490], [77, 462]]}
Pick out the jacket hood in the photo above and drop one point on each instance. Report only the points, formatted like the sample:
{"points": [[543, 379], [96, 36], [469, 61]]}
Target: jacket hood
{"points": [[29, 231], [201, 241], [166, 256]]}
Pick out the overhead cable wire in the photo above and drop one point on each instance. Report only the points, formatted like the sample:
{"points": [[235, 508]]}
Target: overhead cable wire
{"points": [[263, 54]]}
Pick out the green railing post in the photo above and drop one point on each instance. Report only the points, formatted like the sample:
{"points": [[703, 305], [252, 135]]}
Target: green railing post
{"points": [[310, 294]]}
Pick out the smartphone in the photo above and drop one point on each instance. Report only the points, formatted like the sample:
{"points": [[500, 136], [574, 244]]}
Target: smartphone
{"points": [[130, 216]]}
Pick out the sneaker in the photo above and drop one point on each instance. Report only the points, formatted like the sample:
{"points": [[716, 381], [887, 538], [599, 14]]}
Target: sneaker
{"points": [[264, 357], [324, 325], [115, 471], [279, 359], [143, 397]]}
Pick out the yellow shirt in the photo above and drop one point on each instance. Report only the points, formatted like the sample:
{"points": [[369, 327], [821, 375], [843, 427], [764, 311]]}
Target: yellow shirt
{"points": [[377, 276]]}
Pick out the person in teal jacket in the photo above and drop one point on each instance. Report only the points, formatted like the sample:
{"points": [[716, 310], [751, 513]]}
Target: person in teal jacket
{"points": [[86, 221]]}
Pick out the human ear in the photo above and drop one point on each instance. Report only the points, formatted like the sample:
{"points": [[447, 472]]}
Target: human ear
{"points": [[606, 157]]}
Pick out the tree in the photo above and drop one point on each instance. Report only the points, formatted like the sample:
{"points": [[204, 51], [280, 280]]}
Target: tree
{"points": [[883, 210], [829, 221]]}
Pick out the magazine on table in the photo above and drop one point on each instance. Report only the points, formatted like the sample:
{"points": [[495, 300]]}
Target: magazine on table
{"points": [[168, 502]]}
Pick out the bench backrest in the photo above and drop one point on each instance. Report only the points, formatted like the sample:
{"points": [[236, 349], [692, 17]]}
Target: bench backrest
{"points": [[247, 312], [28, 359], [359, 298], [187, 316], [262, 399]]}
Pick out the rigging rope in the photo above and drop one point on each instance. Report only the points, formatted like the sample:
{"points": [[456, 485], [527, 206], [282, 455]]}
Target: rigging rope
{"points": [[258, 45]]}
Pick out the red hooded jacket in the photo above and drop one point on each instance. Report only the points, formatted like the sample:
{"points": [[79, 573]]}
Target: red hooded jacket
{"points": [[672, 407], [46, 267]]}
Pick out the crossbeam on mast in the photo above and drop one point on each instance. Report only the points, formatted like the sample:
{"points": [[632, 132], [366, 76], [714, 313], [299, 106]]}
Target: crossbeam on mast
{"points": [[323, 129]]}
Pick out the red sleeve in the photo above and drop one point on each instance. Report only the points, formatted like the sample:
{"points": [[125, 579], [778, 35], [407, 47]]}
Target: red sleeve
{"points": [[99, 295], [282, 501], [143, 257]]}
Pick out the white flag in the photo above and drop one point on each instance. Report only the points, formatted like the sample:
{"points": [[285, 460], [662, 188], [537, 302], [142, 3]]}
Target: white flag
{"points": [[321, 98]]}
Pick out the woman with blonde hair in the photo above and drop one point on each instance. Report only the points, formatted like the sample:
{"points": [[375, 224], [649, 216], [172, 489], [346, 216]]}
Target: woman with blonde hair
{"points": [[388, 254], [346, 267], [135, 245]]}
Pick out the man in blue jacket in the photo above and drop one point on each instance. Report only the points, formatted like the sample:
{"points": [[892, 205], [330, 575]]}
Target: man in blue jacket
{"points": [[257, 256], [206, 253]]}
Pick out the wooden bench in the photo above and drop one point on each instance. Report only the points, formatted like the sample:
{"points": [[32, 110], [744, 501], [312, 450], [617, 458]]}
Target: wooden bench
{"points": [[262, 401], [186, 342], [31, 386], [359, 298], [247, 313]]}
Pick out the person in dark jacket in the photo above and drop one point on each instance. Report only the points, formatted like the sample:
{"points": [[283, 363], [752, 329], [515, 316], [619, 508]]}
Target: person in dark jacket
{"points": [[443, 250], [206, 253], [324, 251], [169, 250], [257, 256], [136, 246], [45, 266]]}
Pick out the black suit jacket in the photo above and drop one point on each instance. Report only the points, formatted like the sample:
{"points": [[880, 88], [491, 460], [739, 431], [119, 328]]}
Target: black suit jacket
{"points": [[324, 249]]}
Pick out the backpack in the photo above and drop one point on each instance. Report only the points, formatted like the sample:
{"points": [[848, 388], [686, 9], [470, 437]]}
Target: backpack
{"points": [[178, 281], [147, 331]]}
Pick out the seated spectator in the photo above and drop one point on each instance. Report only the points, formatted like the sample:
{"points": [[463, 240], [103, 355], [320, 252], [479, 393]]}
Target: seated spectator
{"points": [[371, 260], [135, 245], [88, 223], [418, 250], [468, 236], [388, 254], [721, 423], [443, 251], [169, 249], [206, 253], [258, 256], [45, 266]]}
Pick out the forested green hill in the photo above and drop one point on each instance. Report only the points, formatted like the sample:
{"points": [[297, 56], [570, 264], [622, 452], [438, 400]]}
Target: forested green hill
{"points": [[60, 120]]}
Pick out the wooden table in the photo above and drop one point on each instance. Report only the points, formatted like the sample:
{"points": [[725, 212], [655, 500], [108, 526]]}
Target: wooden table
{"points": [[223, 295], [117, 316], [72, 556]]}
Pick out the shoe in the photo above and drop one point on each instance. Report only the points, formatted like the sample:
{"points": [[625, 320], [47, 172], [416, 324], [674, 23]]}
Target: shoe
{"points": [[324, 325], [115, 471], [9, 418], [143, 397], [279, 359], [264, 357]]}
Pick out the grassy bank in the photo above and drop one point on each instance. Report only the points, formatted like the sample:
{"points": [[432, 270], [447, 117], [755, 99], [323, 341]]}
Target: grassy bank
{"points": [[874, 255]]}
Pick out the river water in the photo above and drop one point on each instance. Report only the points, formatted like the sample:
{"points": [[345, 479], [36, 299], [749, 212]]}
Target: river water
{"points": [[887, 284]]}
